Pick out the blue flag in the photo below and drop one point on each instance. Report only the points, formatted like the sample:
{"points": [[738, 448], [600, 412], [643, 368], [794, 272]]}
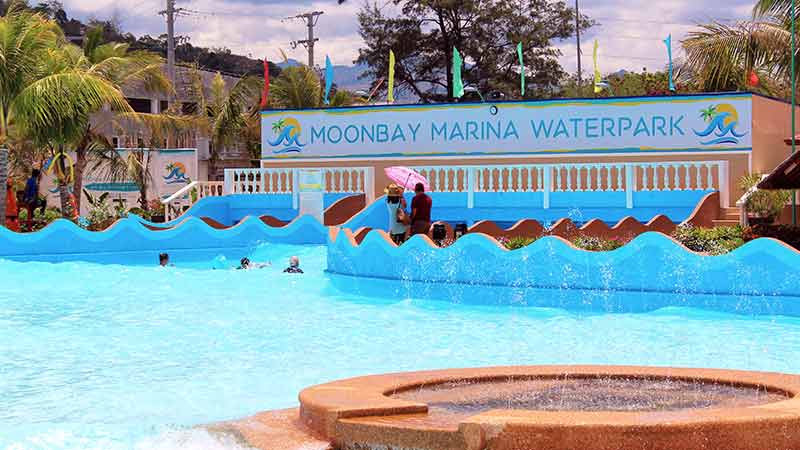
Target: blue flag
{"points": [[668, 43], [328, 78]]}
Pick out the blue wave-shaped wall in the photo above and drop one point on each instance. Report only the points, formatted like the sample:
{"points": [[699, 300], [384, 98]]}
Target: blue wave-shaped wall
{"points": [[128, 241], [650, 265]]}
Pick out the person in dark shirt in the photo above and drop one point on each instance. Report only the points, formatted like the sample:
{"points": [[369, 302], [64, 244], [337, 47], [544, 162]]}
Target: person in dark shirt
{"points": [[31, 196], [294, 266], [420, 211]]}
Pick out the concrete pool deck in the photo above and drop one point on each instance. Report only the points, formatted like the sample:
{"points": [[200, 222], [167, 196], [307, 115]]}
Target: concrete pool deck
{"points": [[368, 412]]}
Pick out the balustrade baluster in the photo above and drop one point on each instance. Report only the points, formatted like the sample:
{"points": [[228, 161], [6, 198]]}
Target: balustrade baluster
{"points": [[698, 177], [686, 182], [619, 177]]}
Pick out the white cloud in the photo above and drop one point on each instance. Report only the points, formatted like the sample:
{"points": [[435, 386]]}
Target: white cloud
{"points": [[630, 33]]}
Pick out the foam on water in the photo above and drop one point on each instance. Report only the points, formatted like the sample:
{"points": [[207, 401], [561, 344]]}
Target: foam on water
{"points": [[129, 358]]}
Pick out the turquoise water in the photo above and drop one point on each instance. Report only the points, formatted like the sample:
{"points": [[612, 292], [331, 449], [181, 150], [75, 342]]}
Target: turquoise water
{"points": [[132, 357]]}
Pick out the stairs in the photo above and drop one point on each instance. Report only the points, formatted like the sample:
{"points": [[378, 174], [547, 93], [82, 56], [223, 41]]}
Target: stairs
{"points": [[727, 217]]}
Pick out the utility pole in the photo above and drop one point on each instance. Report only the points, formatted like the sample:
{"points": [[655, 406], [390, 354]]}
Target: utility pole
{"points": [[311, 19], [578, 38], [170, 14]]}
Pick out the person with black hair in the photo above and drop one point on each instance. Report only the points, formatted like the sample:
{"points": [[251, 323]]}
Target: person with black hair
{"points": [[31, 196], [420, 211], [163, 259]]}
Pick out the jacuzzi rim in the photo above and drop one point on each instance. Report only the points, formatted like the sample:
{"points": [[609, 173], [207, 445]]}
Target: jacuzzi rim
{"points": [[323, 406]]}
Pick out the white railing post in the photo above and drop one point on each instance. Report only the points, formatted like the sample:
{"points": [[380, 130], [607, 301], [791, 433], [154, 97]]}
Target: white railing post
{"points": [[295, 188], [724, 185], [630, 185], [470, 187], [548, 184], [369, 184], [228, 187]]}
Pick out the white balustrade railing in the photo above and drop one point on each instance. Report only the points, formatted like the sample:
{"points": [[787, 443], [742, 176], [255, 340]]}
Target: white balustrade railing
{"points": [[581, 177], [358, 180], [177, 203]]}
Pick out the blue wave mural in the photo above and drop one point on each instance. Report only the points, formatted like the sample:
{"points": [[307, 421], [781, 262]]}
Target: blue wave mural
{"points": [[650, 272], [130, 241]]}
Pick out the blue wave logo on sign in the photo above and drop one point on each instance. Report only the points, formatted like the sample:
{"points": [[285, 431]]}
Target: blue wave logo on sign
{"points": [[722, 121], [176, 174], [287, 132]]}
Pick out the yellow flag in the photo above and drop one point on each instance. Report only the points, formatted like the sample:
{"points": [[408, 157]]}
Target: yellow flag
{"points": [[597, 87], [390, 95]]}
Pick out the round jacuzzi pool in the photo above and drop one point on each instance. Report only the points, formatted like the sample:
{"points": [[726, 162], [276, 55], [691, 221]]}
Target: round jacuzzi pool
{"points": [[558, 407]]}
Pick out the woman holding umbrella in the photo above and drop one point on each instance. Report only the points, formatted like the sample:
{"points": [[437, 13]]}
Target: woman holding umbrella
{"points": [[409, 179]]}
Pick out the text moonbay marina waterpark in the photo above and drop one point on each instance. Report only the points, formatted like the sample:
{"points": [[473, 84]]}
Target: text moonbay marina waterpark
{"points": [[488, 130]]}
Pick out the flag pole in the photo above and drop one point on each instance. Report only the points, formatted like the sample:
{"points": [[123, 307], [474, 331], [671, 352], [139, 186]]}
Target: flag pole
{"points": [[794, 87]]}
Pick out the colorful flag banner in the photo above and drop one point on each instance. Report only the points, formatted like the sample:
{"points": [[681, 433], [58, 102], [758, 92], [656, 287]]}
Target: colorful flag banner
{"points": [[521, 70], [390, 95], [458, 84], [668, 43], [328, 79], [265, 92], [597, 80]]}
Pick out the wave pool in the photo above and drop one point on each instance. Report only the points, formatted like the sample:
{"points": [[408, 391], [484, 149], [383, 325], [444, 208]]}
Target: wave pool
{"points": [[137, 357]]}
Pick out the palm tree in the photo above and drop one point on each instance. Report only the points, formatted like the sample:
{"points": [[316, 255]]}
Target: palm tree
{"points": [[296, 88], [122, 68], [25, 38], [55, 108], [723, 57], [222, 112]]}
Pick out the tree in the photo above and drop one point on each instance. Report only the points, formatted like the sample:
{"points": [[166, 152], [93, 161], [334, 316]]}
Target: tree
{"points": [[629, 84], [25, 39], [121, 67], [300, 88], [724, 57], [485, 32], [55, 108], [296, 88], [222, 113]]}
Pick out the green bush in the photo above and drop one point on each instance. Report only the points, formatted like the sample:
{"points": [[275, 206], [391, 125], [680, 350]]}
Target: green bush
{"points": [[763, 203], [597, 244], [516, 242], [714, 241], [41, 218]]}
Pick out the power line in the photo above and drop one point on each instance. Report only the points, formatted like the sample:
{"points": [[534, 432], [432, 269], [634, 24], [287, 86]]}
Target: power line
{"points": [[664, 22]]}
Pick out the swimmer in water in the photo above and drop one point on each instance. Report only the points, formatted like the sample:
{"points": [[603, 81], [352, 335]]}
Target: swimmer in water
{"points": [[294, 265], [246, 264]]}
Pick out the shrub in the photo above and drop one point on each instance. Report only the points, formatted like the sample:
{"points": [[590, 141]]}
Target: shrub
{"points": [[714, 241], [763, 203], [597, 244], [41, 218], [517, 242], [786, 233]]}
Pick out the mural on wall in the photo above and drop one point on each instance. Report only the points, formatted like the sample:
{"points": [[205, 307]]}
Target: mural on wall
{"points": [[616, 125], [176, 174], [170, 170]]}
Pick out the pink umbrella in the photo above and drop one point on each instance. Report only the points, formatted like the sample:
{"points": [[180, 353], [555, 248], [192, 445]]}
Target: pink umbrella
{"points": [[406, 178]]}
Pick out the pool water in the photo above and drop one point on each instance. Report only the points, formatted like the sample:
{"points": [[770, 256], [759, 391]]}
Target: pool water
{"points": [[133, 357]]}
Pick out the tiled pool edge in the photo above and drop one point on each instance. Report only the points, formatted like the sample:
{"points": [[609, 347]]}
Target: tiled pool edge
{"points": [[357, 413]]}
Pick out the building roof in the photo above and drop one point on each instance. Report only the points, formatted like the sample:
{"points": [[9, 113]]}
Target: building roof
{"points": [[785, 176]]}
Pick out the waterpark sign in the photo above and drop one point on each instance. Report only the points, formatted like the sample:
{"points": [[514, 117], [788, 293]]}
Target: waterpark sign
{"points": [[630, 125]]}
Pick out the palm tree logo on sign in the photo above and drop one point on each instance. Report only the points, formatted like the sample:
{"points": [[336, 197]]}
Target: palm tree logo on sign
{"points": [[722, 120], [287, 136]]}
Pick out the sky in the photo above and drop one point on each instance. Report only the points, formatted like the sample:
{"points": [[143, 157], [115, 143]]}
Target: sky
{"points": [[629, 32]]}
